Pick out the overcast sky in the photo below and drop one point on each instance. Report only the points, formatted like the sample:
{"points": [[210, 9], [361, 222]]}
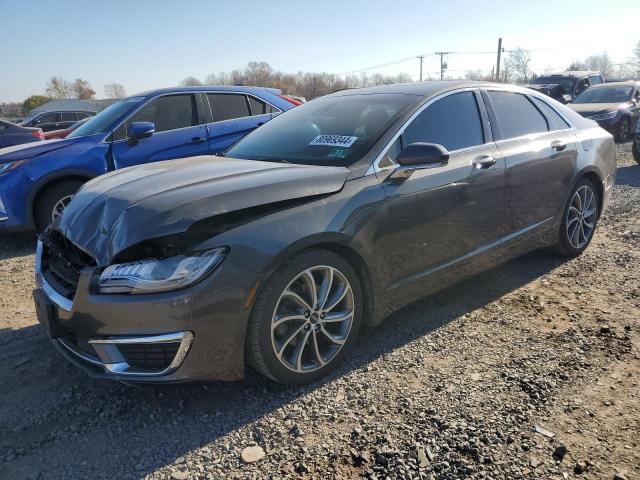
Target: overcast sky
{"points": [[146, 44]]}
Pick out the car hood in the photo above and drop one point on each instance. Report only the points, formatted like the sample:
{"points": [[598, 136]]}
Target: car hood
{"points": [[30, 150], [126, 207], [587, 109]]}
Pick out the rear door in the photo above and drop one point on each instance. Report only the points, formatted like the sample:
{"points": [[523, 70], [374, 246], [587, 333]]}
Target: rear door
{"points": [[48, 121], [540, 150], [234, 115], [440, 215], [67, 119], [179, 132]]}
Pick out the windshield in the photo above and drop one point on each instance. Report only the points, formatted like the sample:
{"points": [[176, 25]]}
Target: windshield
{"points": [[103, 122], [327, 131], [566, 83], [605, 95]]}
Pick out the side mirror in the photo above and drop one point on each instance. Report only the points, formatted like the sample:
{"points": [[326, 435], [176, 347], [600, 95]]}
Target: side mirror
{"points": [[139, 130], [423, 154]]}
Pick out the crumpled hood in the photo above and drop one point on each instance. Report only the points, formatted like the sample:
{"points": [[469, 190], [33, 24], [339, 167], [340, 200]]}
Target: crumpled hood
{"points": [[34, 149], [126, 207], [587, 109]]}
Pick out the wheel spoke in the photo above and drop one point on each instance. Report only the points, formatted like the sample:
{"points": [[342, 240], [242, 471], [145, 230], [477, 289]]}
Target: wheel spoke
{"points": [[297, 298], [338, 298], [325, 288], [311, 285], [316, 348], [337, 341], [337, 317], [588, 224], [288, 318], [288, 341], [300, 350]]}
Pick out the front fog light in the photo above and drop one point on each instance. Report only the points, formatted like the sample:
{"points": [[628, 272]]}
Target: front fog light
{"points": [[153, 275]]}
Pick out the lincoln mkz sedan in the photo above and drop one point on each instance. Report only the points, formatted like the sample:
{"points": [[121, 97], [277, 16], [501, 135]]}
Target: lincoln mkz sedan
{"points": [[317, 224]]}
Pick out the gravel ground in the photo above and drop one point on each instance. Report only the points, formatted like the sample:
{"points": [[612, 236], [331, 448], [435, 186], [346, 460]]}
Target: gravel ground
{"points": [[530, 370]]}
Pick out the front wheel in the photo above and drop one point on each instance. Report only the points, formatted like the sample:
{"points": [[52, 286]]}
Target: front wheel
{"points": [[306, 318], [579, 219], [51, 202], [624, 129]]}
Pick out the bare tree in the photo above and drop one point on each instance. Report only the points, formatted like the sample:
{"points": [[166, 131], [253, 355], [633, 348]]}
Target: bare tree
{"points": [[477, 75], [59, 88], [634, 61], [82, 89], [517, 64], [114, 90], [190, 82], [600, 61]]}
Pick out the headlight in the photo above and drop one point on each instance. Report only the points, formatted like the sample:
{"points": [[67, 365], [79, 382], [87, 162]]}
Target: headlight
{"points": [[5, 167], [604, 116], [150, 276]]}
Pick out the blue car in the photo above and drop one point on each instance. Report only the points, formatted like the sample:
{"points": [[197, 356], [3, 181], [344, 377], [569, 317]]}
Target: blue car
{"points": [[37, 181], [12, 134]]}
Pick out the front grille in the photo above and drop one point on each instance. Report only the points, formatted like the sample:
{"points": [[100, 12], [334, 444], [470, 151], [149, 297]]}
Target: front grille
{"points": [[62, 262], [152, 356]]}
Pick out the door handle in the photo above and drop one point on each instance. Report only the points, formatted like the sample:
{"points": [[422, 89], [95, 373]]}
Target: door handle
{"points": [[197, 140], [484, 161], [558, 145]]}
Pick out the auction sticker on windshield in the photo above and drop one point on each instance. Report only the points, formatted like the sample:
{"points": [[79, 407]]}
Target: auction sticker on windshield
{"points": [[334, 141]]}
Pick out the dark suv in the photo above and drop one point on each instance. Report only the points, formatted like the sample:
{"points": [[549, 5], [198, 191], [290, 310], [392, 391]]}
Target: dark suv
{"points": [[48, 121], [565, 86]]}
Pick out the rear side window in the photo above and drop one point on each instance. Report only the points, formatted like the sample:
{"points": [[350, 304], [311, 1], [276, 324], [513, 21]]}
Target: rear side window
{"points": [[82, 115], [168, 113], [556, 122], [516, 115], [453, 122], [227, 106], [595, 79], [68, 116], [46, 118]]}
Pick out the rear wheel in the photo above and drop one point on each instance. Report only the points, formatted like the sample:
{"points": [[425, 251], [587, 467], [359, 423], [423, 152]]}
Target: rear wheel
{"points": [[636, 150], [624, 129], [52, 201], [306, 318], [579, 219]]}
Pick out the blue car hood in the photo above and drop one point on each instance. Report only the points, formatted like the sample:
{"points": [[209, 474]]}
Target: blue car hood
{"points": [[30, 150]]}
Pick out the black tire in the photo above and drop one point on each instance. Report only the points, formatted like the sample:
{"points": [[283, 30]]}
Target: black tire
{"points": [[259, 348], [49, 198], [623, 130], [564, 246], [636, 150]]}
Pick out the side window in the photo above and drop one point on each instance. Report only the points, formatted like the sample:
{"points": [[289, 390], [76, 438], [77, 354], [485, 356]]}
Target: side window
{"points": [[516, 115], [258, 107], [82, 115], [556, 122], [595, 79], [167, 113], [46, 118], [68, 116], [226, 106], [453, 122]]}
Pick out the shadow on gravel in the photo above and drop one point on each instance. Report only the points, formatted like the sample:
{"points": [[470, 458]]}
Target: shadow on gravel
{"points": [[629, 176], [63, 424], [17, 245]]}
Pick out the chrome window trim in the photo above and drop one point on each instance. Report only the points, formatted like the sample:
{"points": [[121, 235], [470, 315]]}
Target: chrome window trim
{"points": [[58, 300], [194, 92], [278, 110], [375, 165]]}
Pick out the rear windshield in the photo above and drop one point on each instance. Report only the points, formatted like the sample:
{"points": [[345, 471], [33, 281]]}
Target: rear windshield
{"points": [[604, 95], [104, 121], [326, 131]]}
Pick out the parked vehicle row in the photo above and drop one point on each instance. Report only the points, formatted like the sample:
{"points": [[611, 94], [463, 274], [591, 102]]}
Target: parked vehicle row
{"points": [[37, 181], [48, 121], [565, 86], [309, 228]]}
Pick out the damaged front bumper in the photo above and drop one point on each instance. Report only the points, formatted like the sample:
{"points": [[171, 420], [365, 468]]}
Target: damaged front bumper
{"points": [[192, 334]]}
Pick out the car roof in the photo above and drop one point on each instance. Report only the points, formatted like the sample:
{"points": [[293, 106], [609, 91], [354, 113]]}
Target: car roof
{"points": [[211, 88], [427, 89], [572, 73], [628, 83]]}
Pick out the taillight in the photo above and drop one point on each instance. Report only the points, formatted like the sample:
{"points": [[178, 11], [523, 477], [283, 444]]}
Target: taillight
{"points": [[291, 100], [39, 134]]}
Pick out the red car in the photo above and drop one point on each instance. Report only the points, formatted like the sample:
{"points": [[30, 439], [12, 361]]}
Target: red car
{"points": [[63, 132]]}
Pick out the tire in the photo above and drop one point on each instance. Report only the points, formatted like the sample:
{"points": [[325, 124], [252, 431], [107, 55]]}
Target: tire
{"points": [[623, 130], [309, 331], [50, 198], [636, 150], [567, 244]]}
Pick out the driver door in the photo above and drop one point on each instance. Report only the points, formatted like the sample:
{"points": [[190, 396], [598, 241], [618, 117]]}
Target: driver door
{"points": [[438, 216]]}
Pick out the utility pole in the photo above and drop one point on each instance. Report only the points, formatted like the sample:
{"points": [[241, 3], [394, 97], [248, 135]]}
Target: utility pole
{"points": [[443, 65], [497, 77], [421, 57]]}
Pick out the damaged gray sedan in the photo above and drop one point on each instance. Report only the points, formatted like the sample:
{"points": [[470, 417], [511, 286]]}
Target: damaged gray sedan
{"points": [[317, 224]]}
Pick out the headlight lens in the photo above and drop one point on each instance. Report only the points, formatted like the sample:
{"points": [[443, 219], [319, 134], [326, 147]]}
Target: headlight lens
{"points": [[5, 167], [150, 276], [604, 116]]}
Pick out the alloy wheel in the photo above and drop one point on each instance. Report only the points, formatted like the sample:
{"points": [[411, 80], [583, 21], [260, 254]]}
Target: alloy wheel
{"points": [[581, 217], [59, 207], [312, 319], [623, 132]]}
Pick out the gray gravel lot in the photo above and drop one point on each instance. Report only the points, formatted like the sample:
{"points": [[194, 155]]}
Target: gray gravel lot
{"points": [[450, 387]]}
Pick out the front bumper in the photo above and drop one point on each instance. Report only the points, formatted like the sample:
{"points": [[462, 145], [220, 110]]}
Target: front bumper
{"points": [[200, 330]]}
